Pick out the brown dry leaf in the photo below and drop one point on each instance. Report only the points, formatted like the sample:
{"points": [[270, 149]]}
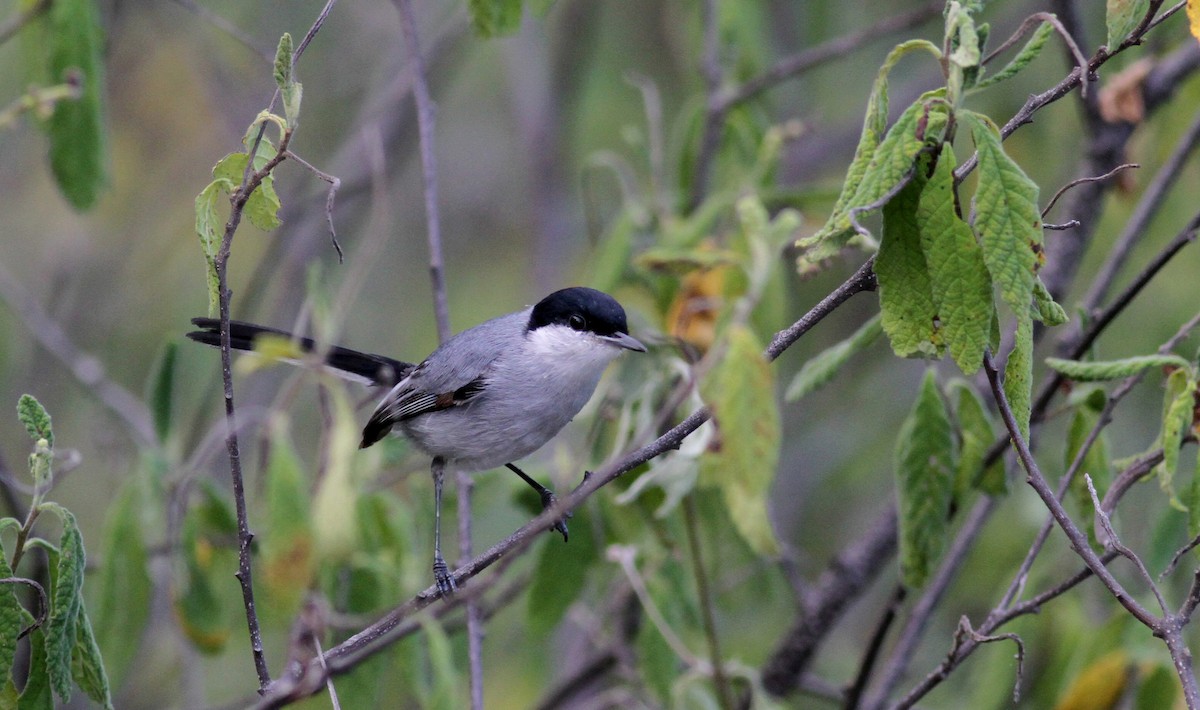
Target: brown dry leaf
{"points": [[692, 317], [1121, 98]]}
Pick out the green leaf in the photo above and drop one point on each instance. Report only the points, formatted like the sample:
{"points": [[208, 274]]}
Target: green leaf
{"points": [[1045, 308], [1193, 503], [162, 385], [1007, 217], [1179, 405], [963, 41], [833, 236], [78, 154], [1028, 53], [33, 415], [924, 468], [288, 553], [1122, 17], [87, 667], [445, 684], [740, 390], [122, 601], [66, 604], [909, 316], [1159, 688], [1113, 369], [977, 432], [492, 18], [12, 617], [958, 277], [283, 61], [560, 574], [1018, 375], [821, 368], [37, 694], [209, 227], [263, 205]]}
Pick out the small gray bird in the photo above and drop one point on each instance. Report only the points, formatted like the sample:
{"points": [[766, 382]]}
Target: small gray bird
{"points": [[486, 397]]}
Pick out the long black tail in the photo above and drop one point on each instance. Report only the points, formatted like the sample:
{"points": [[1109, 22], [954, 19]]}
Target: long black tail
{"points": [[376, 369]]}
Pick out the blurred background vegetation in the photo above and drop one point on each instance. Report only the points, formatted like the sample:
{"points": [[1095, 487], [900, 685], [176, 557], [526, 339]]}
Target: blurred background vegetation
{"points": [[533, 130]]}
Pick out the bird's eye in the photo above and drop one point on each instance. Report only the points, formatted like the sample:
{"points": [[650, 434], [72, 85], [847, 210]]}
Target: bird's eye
{"points": [[577, 322]]}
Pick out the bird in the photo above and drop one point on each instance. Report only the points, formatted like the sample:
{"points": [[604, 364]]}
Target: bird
{"points": [[486, 397]]}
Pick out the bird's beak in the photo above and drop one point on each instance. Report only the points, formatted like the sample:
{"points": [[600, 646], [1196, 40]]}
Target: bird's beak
{"points": [[627, 341]]}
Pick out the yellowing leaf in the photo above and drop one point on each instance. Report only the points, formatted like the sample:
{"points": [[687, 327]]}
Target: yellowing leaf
{"points": [[288, 558], [740, 390], [337, 533], [1099, 686], [1193, 13]]}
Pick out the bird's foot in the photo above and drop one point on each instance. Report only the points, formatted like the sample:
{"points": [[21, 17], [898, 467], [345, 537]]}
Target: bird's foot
{"points": [[548, 501], [441, 576]]}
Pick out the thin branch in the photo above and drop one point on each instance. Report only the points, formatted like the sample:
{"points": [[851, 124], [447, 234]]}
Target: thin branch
{"points": [[43, 603], [720, 680], [425, 126], [86, 368], [330, 196], [474, 625], [1114, 542], [349, 653], [1037, 481], [1080, 181]]}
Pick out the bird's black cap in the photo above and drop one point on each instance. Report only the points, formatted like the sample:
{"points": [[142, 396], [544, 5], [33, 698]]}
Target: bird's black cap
{"points": [[580, 308]]}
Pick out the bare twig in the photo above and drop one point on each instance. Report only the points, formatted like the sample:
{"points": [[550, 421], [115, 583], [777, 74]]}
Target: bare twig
{"points": [[474, 624], [1080, 181], [425, 127], [334, 184], [43, 603]]}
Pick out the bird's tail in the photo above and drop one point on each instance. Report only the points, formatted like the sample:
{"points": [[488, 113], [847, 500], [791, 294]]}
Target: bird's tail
{"points": [[373, 369]]}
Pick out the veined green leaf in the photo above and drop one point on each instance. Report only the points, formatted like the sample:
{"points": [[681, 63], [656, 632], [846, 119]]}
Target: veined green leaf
{"points": [[560, 574], [832, 237], [209, 227], [1007, 217], [262, 207], [66, 602], [1113, 369], [741, 393], [909, 316], [1179, 404], [1018, 375], [1122, 17], [924, 483], [822, 367], [1045, 308], [33, 415], [87, 667], [1028, 53], [37, 694], [12, 618], [78, 154], [958, 277], [492, 18]]}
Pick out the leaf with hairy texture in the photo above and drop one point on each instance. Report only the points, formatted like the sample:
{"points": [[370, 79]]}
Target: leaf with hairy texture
{"points": [[959, 280], [33, 415], [833, 236], [262, 207], [825, 365], [1113, 369], [78, 151], [12, 617], [1018, 376], [1033, 47], [1122, 17], [924, 466], [66, 603], [37, 694], [909, 316], [1007, 219], [1045, 308], [1179, 405], [87, 666], [740, 390]]}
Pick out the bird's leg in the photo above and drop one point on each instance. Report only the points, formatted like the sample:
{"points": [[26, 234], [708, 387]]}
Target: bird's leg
{"points": [[441, 572], [547, 497]]}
